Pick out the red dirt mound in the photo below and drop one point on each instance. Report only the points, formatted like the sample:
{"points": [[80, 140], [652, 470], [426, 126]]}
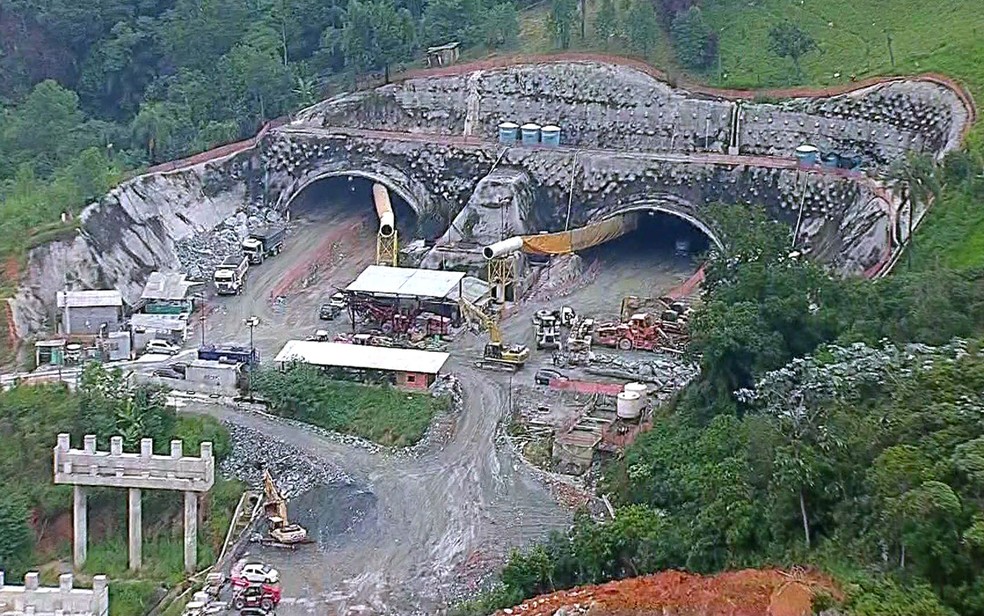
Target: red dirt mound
{"points": [[750, 592]]}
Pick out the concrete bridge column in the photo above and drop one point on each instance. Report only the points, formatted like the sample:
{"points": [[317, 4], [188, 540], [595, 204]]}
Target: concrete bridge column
{"points": [[80, 526], [136, 530], [190, 531]]}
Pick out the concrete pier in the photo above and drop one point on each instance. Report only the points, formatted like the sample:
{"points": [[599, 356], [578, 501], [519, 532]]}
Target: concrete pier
{"points": [[135, 528], [190, 531], [134, 472], [80, 526]]}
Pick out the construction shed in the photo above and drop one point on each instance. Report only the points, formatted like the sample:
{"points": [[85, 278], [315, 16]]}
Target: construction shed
{"points": [[380, 292], [168, 293], [408, 368], [90, 312]]}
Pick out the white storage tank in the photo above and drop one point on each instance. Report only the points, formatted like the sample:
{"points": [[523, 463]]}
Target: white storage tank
{"points": [[550, 135], [627, 405]]}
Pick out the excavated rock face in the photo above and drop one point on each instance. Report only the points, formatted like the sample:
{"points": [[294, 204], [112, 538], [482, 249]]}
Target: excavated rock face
{"points": [[138, 227], [621, 108]]}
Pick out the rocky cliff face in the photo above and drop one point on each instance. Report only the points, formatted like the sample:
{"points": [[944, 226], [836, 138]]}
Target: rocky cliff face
{"points": [[137, 228]]}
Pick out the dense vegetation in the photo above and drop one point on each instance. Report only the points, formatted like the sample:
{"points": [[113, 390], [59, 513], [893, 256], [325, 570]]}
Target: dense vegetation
{"points": [[379, 413], [813, 435], [33, 510]]}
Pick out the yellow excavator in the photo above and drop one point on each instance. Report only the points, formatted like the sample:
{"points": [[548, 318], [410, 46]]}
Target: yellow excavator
{"points": [[275, 508], [497, 356]]}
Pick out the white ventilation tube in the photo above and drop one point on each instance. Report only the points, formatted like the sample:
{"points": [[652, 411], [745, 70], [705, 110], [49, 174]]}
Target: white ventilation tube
{"points": [[505, 247], [383, 208]]}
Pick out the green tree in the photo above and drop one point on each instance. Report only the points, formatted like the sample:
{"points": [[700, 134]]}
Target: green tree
{"points": [[606, 22], [195, 33], [787, 40], [376, 35], [916, 180], [695, 42], [255, 81], [45, 130], [563, 15], [500, 26], [119, 69], [641, 26], [445, 21], [16, 538], [156, 128]]}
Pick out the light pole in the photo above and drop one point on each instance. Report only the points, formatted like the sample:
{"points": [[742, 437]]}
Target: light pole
{"points": [[251, 323]]}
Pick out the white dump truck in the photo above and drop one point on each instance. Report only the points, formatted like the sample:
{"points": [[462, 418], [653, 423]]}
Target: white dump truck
{"points": [[230, 276]]}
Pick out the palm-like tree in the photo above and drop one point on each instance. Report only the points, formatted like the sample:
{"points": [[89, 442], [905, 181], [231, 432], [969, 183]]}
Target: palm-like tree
{"points": [[916, 181]]}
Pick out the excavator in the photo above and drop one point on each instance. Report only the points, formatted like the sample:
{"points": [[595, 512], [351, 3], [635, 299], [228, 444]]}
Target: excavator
{"points": [[497, 356], [275, 508]]}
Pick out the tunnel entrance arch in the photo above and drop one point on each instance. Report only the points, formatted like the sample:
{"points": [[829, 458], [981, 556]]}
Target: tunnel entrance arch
{"points": [[669, 207], [397, 188]]}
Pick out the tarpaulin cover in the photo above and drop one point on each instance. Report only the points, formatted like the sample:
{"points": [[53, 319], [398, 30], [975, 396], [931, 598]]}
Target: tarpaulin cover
{"points": [[565, 242]]}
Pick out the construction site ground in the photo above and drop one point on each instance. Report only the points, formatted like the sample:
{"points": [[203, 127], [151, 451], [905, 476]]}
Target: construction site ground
{"points": [[410, 533]]}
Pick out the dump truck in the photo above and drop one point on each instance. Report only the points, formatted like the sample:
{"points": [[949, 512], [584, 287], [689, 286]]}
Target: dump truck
{"points": [[263, 243], [280, 529], [229, 353], [230, 275]]}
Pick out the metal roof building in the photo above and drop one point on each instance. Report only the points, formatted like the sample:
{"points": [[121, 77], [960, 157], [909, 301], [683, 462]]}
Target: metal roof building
{"points": [[361, 357], [88, 299], [418, 283], [166, 286]]}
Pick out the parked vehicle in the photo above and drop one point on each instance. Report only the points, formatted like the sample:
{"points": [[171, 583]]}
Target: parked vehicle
{"points": [[263, 243], [543, 376], [256, 573], [263, 596], [161, 347], [230, 275]]}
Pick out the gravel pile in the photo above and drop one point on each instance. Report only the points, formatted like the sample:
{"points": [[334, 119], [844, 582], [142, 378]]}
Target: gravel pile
{"points": [[666, 370], [294, 471], [201, 253]]}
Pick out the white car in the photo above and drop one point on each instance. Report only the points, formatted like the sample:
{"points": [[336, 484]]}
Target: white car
{"points": [[161, 347], [256, 573]]}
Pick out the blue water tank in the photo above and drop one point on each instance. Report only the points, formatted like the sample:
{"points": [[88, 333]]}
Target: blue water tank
{"points": [[508, 133], [807, 155], [530, 133], [831, 160], [550, 135]]}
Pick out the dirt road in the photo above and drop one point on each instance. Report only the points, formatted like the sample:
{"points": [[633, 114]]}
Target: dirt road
{"points": [[409, 535]]}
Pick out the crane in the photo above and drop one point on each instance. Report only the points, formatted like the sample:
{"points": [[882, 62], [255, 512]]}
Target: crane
{"points": [[497, 355], [275, 507]]}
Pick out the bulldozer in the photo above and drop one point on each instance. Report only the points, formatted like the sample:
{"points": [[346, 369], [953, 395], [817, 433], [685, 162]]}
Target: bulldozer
{"points": [[497, 355], [275, 507]]}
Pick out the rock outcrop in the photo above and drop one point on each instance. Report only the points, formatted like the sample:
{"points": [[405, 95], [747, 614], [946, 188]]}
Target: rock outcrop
{"points": [[134, 230]]}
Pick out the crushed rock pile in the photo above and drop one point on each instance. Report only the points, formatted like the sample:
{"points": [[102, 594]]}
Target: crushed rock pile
{"points": [[294, 471], [200, 253], [666, 370], [750, 592]]}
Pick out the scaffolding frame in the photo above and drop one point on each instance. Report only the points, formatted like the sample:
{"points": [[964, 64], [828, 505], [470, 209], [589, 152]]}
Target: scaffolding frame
{"points": [[502, 277], [387, 249]]}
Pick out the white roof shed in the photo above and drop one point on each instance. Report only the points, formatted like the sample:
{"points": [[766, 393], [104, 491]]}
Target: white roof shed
{"points": [[88, 299], [363, 357]]}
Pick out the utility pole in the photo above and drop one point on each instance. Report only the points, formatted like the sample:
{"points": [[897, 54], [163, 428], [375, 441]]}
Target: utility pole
{"points": [[251, 323]]}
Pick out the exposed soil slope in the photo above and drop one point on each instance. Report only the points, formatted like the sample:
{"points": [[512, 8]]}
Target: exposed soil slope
{"points": [[750, 592]]}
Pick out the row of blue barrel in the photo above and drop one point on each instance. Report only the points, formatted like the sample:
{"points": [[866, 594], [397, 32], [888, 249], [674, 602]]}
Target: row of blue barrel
{"points": [[529, 134], [809, 156]]}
